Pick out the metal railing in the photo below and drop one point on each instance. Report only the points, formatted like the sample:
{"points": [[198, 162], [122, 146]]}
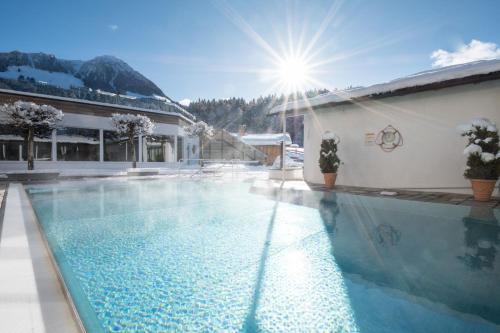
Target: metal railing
{"points": [[228, 144], [211, 166]]}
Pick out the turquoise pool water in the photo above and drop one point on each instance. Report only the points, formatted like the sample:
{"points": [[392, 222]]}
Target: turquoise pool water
{"points": [[183, 256]]}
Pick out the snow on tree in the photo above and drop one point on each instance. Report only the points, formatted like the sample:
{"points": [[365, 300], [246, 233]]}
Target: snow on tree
{"points": [[131, 126], [201, 130], [31, 121], [328, 160], [482, 151]]}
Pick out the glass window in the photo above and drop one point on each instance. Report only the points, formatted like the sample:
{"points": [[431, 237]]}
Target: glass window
{"points": [[10, 144], [77, 144], [118, 148], [13, 147], [9, 149], [180, 148], [158, 148], [42, 150]]}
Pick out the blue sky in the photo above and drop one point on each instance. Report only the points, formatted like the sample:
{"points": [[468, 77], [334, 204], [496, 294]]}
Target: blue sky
{"points": [[214, 49]]}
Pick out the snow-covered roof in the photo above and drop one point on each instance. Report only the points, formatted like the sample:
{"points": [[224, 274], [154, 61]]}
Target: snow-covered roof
{"points": [[181, 112], [11, 137], [416, 80], [77, 139], [265, 139]]}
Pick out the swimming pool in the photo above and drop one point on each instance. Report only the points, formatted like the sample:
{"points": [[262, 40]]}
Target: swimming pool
{"points": [[213, 256]]}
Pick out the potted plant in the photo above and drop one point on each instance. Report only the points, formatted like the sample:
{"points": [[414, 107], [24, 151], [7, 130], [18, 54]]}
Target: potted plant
{"points": [[328, 160], [483, 158]]}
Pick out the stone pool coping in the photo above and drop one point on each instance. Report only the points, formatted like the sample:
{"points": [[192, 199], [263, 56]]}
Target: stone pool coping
{"points": [[32, 297], [386, 193], [413, 195]]}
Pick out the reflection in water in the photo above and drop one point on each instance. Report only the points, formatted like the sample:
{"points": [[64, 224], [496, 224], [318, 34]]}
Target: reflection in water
{"points": [[386, 235], [329, 209], [412, 247], [482, 236]]}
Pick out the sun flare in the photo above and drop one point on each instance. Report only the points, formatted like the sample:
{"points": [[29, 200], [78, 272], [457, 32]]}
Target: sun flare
{"points": [[293, 72]]}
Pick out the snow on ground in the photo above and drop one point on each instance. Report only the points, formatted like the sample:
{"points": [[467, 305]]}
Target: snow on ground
{"points": [[296, 154], [58, 79], [102, 92], [161, 98], [131, 94], [289, 163], [265, 139]]}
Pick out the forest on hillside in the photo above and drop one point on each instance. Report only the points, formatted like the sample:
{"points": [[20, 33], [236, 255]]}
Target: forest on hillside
{"points": [[231, 113]]}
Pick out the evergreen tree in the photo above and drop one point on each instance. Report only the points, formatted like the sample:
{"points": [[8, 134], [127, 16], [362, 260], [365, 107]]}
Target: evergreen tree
{"points": [[483, 157], [328, 159]]}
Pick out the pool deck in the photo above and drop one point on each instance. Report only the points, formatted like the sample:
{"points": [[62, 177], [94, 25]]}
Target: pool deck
{"points": [[32, 297], [414, 195], [388, 193]]}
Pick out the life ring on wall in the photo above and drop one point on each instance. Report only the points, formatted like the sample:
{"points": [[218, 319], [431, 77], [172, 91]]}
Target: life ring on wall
{"points": [[389, 139]]}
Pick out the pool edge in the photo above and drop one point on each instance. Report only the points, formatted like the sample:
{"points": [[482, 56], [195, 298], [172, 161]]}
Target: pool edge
{"points": [[67, 295]]}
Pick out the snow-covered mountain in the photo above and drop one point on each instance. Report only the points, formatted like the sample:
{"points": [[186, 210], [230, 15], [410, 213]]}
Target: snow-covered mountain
{"points": [[104, 73]]}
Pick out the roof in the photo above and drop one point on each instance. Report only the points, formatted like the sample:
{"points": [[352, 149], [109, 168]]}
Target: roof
{"points": [[438, 78], [181, 112], [266, 139]]}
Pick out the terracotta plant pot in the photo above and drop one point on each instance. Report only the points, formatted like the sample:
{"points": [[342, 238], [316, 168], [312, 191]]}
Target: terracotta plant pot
{"points": [[483, 188], [330, 179]]}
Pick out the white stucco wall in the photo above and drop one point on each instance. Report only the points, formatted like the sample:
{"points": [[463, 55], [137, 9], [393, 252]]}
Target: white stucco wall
{"points": [[431, 156]]}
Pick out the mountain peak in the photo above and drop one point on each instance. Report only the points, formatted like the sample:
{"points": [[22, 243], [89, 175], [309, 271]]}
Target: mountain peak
{"points": [[108, 59], [106, 72]]}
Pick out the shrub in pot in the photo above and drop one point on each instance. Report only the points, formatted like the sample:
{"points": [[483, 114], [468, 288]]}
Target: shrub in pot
{"points": [[328, 160], [483, 157]]}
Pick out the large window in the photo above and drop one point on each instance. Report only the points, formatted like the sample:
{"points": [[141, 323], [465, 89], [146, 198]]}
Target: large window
{"points": [[180, 148], [10, 148], [42, 150], [14, 148], [77, 144], [118, 148], [158, 148]]}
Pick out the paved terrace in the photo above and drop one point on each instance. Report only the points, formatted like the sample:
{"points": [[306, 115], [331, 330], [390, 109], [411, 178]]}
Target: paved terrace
{"points": [[437, 197]]}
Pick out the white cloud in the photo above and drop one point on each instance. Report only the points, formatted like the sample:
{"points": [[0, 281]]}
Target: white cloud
{"points": [[185, 102], [113, 27], [475, 50]]}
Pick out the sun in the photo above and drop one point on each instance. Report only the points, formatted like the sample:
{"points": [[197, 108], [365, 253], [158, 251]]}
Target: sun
{"points": [[293, 73]]}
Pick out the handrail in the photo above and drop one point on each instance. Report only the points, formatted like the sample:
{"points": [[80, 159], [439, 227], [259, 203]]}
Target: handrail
{"points": [[245, 145], [203, 161], [238, 145]]}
